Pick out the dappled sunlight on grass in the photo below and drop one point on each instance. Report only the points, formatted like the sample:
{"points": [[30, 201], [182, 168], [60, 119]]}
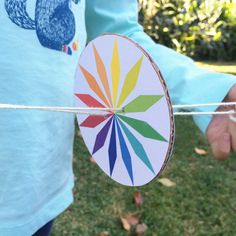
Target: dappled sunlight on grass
{"points": [[223, 67]]}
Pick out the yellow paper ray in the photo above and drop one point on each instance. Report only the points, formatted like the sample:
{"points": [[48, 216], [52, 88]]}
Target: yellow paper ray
{"points": [[130, 81], [115, 71], [102, 73], [94, 85]]}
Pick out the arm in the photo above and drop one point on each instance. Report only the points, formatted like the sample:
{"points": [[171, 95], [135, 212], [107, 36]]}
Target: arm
{"points": [[187, 83]]}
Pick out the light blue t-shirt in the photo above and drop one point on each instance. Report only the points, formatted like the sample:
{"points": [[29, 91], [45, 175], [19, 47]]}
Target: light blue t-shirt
{"points": [[40, 43]]}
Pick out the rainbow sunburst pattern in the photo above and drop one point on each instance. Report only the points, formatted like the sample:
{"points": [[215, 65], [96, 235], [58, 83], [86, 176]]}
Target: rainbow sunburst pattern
{"points": [[117, 135]]}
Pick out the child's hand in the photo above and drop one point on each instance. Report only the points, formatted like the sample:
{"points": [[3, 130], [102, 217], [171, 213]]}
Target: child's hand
{"points": [[221, 132]]}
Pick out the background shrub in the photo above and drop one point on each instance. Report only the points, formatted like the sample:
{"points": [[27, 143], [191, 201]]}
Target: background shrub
{"points": [[202, 29]]}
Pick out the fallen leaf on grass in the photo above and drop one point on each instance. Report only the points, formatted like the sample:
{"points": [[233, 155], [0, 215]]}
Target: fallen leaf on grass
{"points": [[138, 199], [92, 160], [200, 151], [141, 229], [132, 219], [129, 220], [79, 134], [166, 182], [104, 233], [125, 224]]}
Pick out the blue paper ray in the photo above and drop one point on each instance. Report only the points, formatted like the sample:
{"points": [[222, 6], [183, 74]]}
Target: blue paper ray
{"points": [[112, 151], [125, 153]]}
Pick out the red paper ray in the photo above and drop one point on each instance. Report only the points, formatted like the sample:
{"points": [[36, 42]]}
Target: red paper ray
{"points": [[89, 100], [93, 121]]}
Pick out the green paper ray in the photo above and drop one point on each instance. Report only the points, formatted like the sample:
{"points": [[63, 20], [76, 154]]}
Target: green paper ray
{"points": [[142, 103], [143, 128], [130, 81], [137, 147]]}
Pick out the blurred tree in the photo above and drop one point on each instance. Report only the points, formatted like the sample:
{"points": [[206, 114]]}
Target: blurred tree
{"points": [[202, 29]]}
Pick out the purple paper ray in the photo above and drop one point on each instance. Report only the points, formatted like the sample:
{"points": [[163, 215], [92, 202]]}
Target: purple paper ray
{"points": [[101, 136]]}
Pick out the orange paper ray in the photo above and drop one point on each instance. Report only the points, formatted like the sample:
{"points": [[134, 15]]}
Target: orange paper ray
{"points": [[94, 85], [102, 73]]}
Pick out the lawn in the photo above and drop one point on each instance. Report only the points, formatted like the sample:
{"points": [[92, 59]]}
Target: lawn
{"points": [[229, 67], [201, 203]]}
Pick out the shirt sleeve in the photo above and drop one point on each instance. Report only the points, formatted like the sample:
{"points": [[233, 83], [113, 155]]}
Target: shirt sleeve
{"points": [[187, 83]]}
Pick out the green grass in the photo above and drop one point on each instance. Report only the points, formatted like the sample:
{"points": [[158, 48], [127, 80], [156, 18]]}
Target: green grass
{"points": [[202, 203], [224, 67]]}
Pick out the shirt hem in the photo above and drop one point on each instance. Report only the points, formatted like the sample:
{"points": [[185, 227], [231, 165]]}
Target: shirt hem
{"points": [[49, 212]]}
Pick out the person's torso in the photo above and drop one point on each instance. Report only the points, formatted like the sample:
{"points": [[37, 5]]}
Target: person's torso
{"points": [[40, 44]]}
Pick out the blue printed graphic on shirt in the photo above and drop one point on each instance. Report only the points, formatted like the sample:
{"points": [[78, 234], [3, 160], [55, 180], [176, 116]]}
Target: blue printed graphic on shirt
{"points": [[54, 21]]}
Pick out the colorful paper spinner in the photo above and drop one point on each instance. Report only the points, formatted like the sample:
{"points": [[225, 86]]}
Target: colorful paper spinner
{"points": [[132, 144]]}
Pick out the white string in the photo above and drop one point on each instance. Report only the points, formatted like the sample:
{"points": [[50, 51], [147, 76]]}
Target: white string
{"points": [[205, 105], [104, 111], [76, 110], [232, 112]]}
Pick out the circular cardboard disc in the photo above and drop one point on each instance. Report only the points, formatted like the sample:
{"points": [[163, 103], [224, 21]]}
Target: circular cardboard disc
{"points": [[131, 145]]}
